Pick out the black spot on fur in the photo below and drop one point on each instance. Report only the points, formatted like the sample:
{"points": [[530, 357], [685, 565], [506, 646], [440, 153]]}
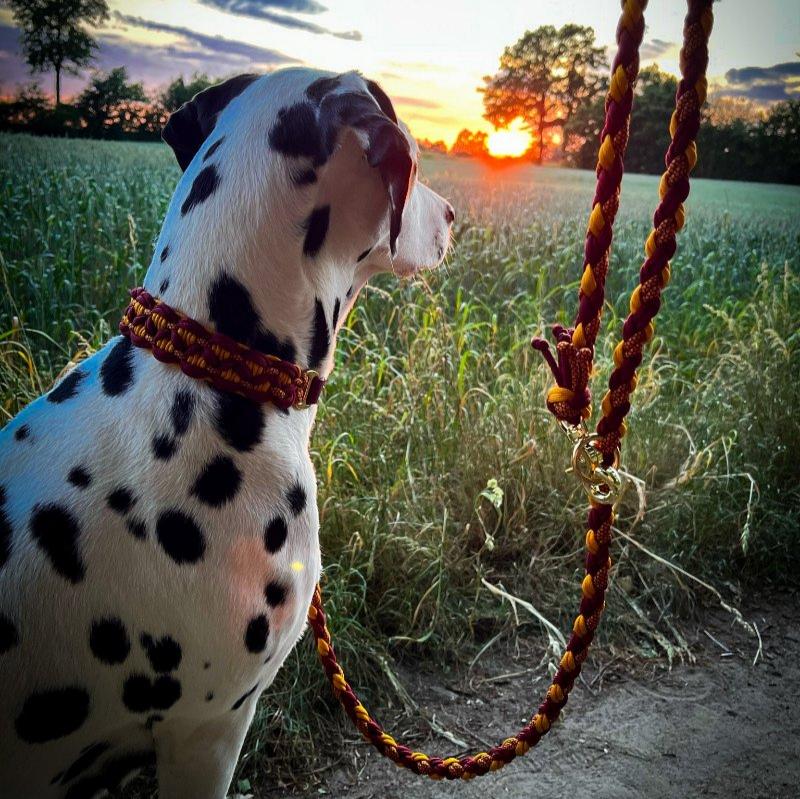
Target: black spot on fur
{"points": [[275, 593], [68, 387], [232, 309], [304, 177], [140, 694], [363, 256], [180, 536], [121, 500], [240, 421], [275, 534], [349, 292], [163, 286], [137, 528], [322, 86], [218, 482], [164, 447], [337, 307], [316, 228], [243, 698], [206, 665], [296, 496], [213, 148], [109, 642], [297, 134], [382, 100], [320, 337], [203, 186], [5, 530], [79, 477], [9, 637], [209, 696], [270, 344], [87, 758], [22, 432], [48, 715], [116, 373], [182, 411], [56, 531], [255, 637], [165, 254], [164, 654]]}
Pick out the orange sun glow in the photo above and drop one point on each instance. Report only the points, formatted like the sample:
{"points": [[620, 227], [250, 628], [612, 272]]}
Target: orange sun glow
{"points": [[509, 143]]}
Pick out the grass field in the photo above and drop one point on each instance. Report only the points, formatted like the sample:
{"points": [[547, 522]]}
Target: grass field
{"points": [[437, 393]]}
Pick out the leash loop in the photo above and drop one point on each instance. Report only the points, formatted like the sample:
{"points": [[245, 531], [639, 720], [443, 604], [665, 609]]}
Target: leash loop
{"points": [[596, 455]]}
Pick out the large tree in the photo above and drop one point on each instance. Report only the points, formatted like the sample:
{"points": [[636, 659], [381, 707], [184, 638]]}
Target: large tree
{"points": [[543, 79], [53, 36]]}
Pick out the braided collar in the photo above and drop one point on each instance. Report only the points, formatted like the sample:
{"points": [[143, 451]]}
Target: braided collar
{"points": [[216, 358]]}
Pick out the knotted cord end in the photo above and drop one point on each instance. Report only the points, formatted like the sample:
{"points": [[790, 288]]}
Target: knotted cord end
{"points": [[570, 399]]}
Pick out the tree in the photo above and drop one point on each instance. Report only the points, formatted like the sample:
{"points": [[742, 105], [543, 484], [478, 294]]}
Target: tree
{"points": [[53, 36], [653, 104], [111, 106], [543, 79], [180, 91], [471, 144]]}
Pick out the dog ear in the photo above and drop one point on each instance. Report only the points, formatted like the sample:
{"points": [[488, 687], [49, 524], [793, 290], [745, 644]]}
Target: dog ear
{"points": [[386, 149], [189, 126]]}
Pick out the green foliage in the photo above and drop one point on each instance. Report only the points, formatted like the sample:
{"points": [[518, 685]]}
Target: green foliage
{"points": [[438, 465], [543, 78], [111, 106], [181, 91], [53, 36]]}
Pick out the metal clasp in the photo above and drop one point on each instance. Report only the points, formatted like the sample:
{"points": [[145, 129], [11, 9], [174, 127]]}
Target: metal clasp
{"points": [[601, 483], [300, 403]]}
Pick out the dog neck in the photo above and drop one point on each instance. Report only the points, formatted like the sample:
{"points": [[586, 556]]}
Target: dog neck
{"points": [[256, 288]]}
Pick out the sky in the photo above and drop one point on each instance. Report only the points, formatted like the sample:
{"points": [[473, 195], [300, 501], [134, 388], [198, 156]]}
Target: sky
{"points": [[428, 56]]}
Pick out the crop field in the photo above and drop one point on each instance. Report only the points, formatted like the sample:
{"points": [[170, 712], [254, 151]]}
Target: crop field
{"points": [[440, 470]]}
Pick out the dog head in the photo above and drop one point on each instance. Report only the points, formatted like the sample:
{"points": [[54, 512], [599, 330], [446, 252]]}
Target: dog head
{"points": [[327, 171]]}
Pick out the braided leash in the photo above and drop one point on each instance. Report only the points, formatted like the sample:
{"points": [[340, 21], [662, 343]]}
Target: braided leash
{"points": [[570, 399]]}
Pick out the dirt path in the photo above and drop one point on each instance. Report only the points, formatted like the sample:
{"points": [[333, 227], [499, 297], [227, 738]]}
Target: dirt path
{"points": [[719, 728]]}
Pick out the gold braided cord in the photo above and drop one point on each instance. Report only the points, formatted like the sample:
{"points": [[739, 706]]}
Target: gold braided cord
{"points": [[575, 356]]}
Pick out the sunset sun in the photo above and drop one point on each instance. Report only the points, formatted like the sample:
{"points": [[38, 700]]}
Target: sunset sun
{"points": [[511, 142]]}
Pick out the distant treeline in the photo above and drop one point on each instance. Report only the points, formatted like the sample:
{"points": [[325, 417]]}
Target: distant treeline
{"points": [[110, 107], [738, 140]]}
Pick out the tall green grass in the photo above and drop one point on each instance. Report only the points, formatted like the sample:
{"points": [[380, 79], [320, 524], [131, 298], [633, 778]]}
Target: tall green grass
{"points": [[439, 467]]}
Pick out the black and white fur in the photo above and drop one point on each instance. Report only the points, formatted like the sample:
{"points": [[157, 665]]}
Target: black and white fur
{"points": [[158, 538]]}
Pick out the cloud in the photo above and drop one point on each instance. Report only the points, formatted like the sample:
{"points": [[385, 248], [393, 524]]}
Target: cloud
{"points": [[655, 48], [153, 65], [417, 102], [212, 44], [763, 84], [257, 9]]}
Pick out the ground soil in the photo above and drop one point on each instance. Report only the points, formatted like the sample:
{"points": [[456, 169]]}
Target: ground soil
{"points": [[720, 727]]}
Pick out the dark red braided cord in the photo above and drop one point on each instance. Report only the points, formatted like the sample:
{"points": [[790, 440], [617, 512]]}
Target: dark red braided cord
{"points": [[575, 350], [668, 219], [570, 399]]}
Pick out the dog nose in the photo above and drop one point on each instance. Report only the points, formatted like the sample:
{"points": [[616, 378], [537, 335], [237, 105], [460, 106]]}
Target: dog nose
{"points": [[449, 214]]}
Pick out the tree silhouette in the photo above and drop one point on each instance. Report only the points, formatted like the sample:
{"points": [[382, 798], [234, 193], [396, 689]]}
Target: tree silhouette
{"points": [[53, 36], [110, 105], [470, 143], [181, 91], [543, 79]]}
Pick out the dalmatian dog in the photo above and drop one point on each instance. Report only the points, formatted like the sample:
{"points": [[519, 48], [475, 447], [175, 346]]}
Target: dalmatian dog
{"points": [[159, 537]]}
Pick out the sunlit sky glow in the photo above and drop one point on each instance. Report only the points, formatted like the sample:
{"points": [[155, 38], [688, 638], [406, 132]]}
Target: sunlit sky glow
{"points": [[429, 56]]}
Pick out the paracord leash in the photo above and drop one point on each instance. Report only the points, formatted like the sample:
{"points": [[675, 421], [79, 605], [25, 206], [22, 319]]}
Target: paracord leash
{"points": [[595, 455]]}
